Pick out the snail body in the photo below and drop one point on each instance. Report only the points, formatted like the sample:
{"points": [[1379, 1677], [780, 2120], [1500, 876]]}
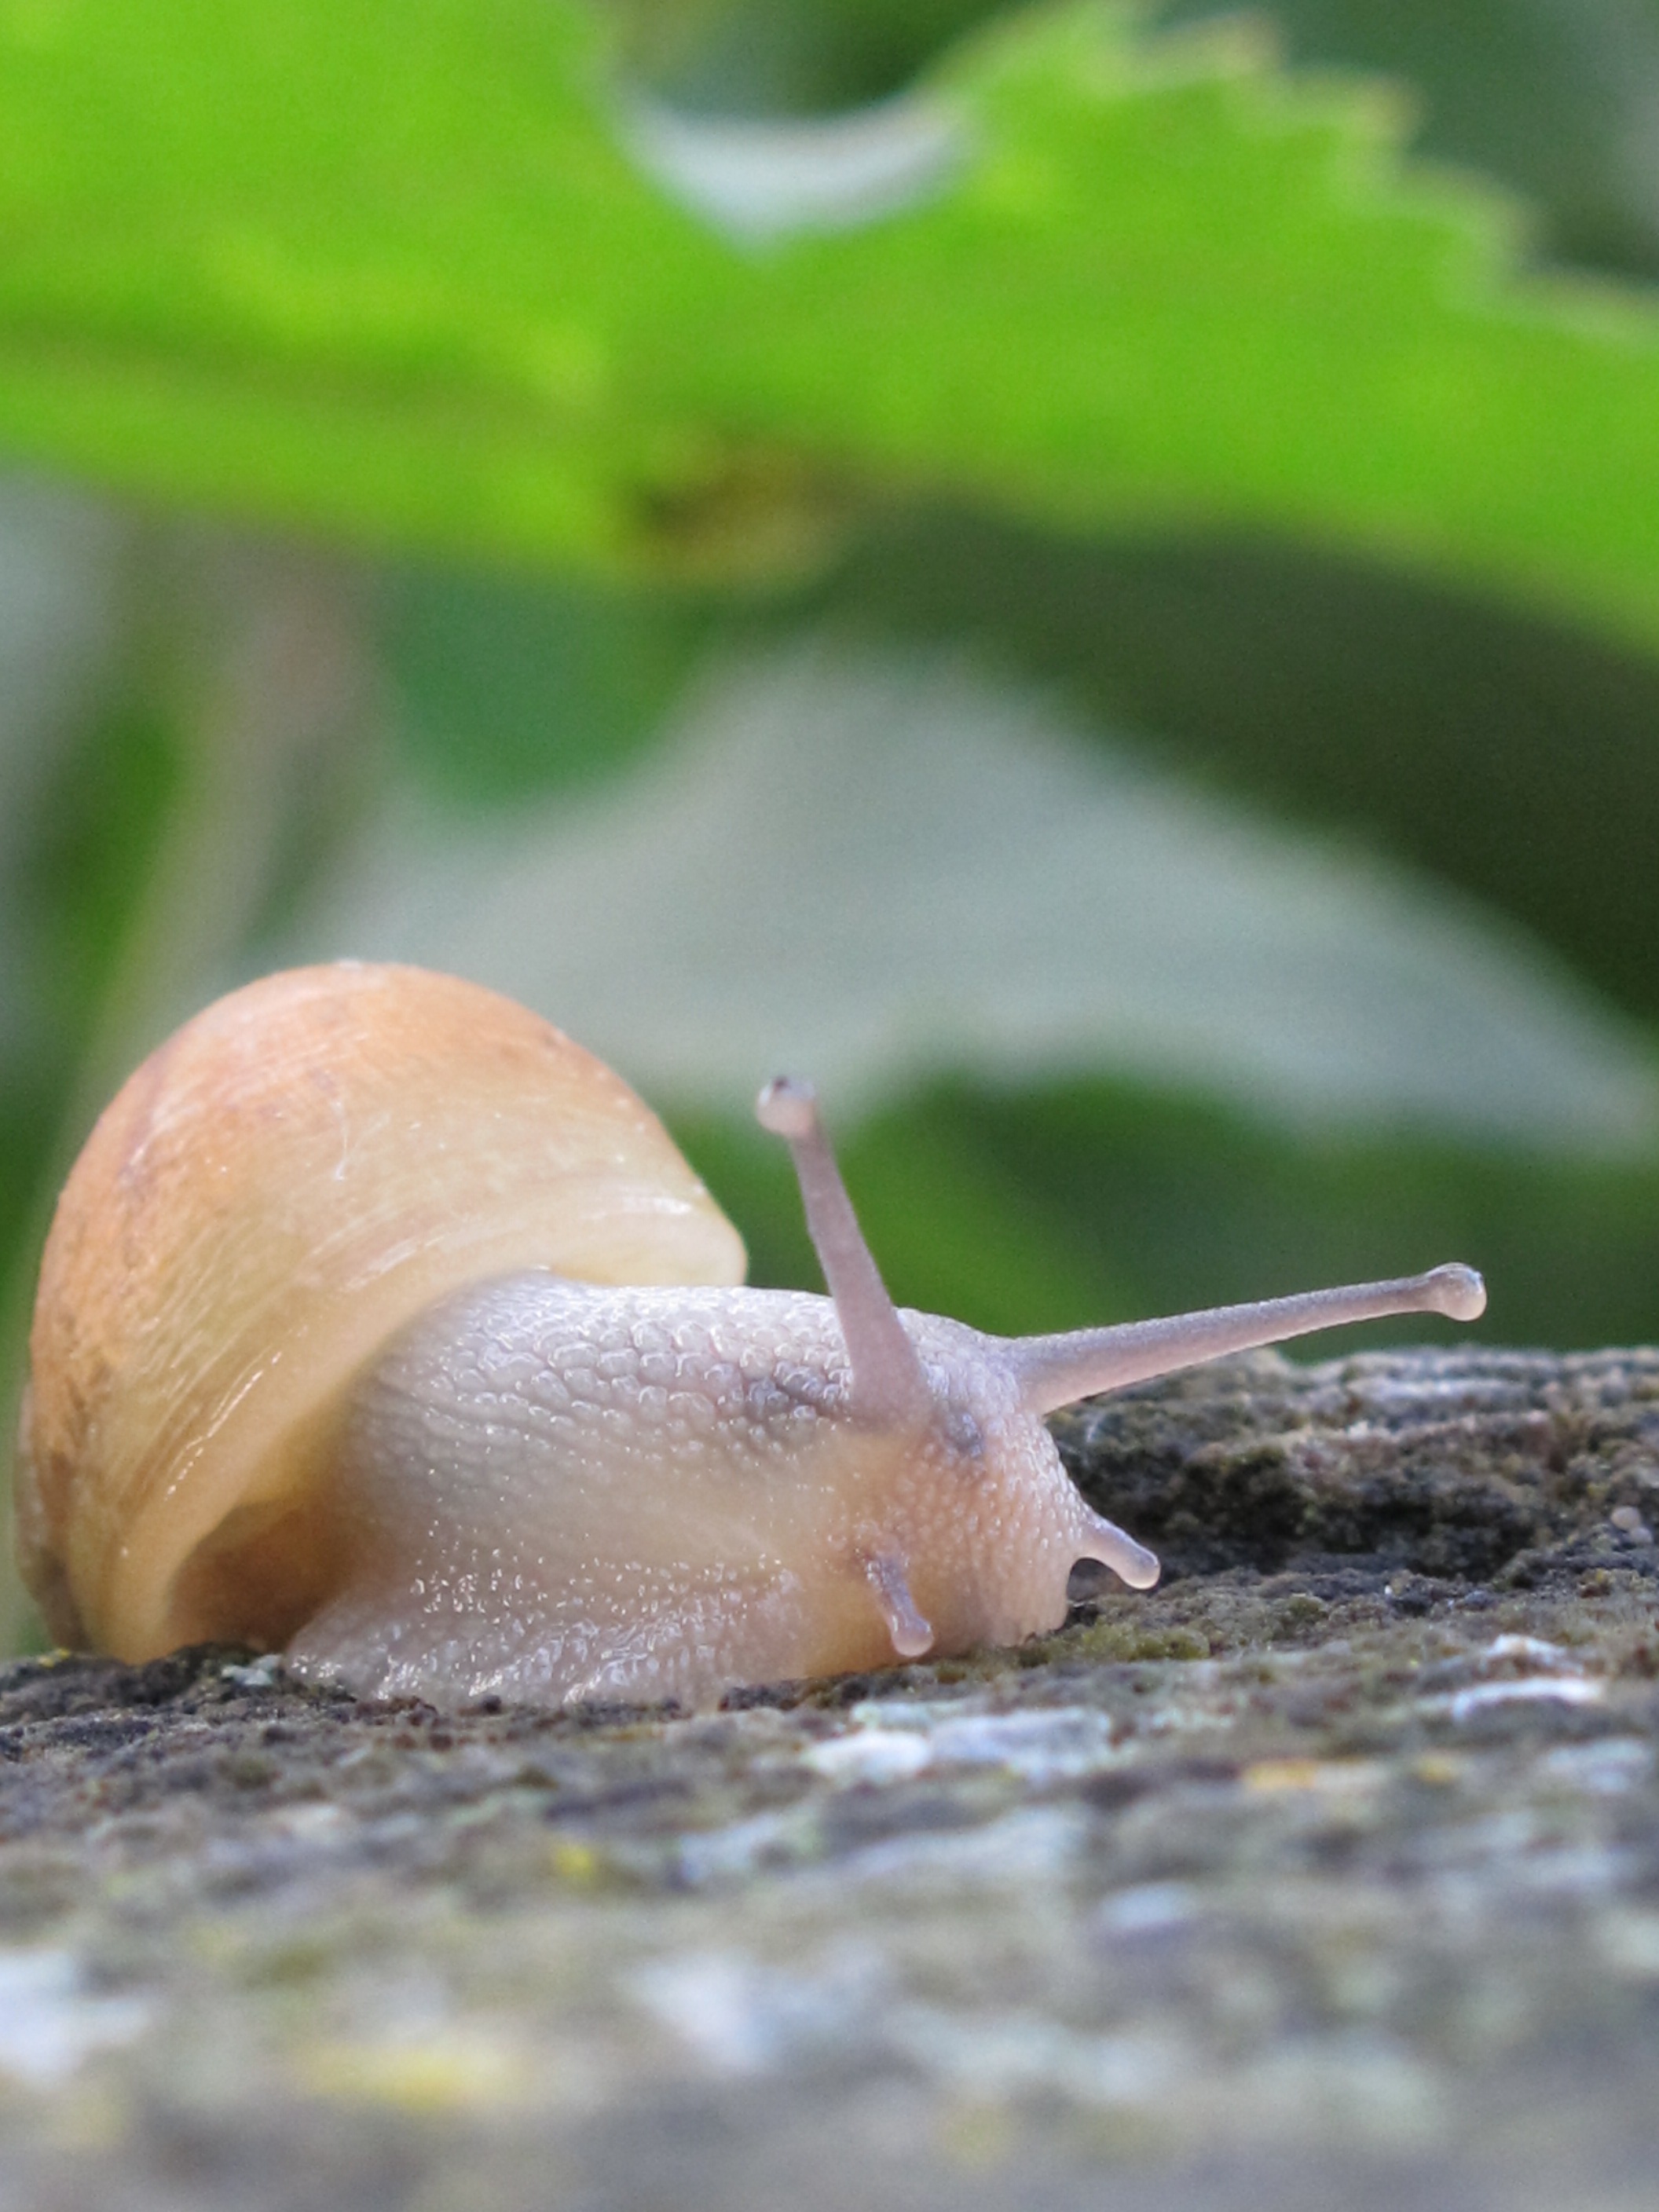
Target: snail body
{"points": [[380, 1324]]}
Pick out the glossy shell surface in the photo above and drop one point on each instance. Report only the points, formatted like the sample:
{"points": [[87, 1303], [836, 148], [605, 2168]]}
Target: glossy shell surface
{"points": [[284, 1184]]}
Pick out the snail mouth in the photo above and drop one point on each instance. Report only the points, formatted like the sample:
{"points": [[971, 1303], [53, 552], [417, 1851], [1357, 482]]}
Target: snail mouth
{"points": [[1089, 1579]]}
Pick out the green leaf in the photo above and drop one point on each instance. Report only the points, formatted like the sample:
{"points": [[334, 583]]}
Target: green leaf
{"points": [[388, 271], [1555, 97], [1168, 1203], [868, 868], [510, 686], [1509, 757]]}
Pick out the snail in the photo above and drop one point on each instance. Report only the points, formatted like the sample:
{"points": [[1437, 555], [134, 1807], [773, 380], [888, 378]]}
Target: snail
{"points": [[382, 1325]]}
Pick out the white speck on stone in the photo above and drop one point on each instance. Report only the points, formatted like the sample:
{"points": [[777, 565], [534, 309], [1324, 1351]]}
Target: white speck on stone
{"points": [[1628, 1939], [743, 1848], [1041, 1745], [1011, 2052], [1344, 2085], [871, 1755], [1533, 1648], [741, 2017], [314, 1823], [1527, 1689], [48, 2026], [1606, 1769], [1148, 1909], [1584, 1870], [1039, 1843]]}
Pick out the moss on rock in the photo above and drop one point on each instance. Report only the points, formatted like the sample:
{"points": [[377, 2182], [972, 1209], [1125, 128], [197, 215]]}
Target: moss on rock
{"points": [[1328, 1873]]}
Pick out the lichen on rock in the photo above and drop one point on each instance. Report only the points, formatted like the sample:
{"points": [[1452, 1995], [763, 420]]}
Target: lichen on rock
{"points": [[1328, 1873]]}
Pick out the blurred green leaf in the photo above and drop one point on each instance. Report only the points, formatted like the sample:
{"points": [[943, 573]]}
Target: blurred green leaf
{"points": [[1197, 1205], [91, 851], [1554, 97], [868, 867], [386, 269], [788, 56], [82, 780], [510, 686], [1513, 757]]}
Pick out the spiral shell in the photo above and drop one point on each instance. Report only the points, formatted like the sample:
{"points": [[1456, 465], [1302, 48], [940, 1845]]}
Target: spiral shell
{"points": [[294, 1176]]}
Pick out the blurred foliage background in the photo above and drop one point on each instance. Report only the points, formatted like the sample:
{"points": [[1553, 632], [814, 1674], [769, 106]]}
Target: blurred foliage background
{"points": [[1088, 576]]}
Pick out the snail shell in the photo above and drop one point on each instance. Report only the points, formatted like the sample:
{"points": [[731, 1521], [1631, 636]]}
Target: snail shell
{"points": [[284, 1185]]}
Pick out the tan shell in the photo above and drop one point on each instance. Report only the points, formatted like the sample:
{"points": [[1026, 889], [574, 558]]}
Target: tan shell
{"points": [[291, 1177]]}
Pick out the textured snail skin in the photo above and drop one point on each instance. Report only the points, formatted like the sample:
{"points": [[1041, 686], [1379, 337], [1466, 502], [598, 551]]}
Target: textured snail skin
{"points": [[549, 1491], [381, 1324]]}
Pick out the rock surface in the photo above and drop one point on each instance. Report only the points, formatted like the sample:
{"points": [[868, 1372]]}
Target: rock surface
{"points": [[1327, 1875]]}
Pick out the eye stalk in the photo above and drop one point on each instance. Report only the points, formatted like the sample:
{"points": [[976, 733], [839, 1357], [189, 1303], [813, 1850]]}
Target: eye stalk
{"points": [[890, 1387], [1057, 1370]]}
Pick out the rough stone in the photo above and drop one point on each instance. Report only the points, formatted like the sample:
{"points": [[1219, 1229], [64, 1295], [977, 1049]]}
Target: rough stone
{"points": [[1327, 1875]]}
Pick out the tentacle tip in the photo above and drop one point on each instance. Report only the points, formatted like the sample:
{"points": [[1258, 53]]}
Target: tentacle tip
{"points": [[1132, 1563], [787, 1108], [911, 1633], [1459, 1291], [912, 1643]]}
